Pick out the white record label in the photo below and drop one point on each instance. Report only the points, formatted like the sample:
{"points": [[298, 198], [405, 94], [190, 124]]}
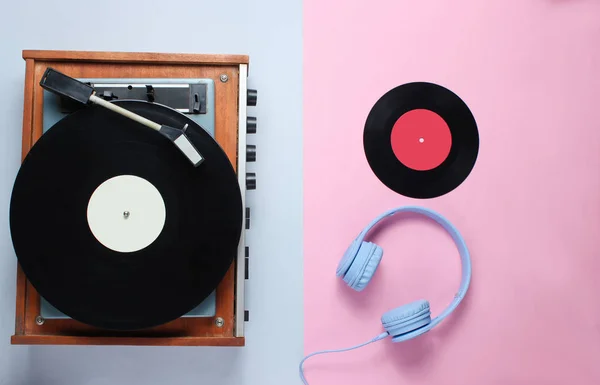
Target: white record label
{"points": [[126, 213]]}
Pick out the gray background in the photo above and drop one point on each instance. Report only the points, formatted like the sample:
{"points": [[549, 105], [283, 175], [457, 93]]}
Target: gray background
{"points": [[270, 32]]}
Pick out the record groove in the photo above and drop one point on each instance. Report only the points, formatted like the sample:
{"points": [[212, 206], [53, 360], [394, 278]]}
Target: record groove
{"points": [[92, 283], [384, 163]]}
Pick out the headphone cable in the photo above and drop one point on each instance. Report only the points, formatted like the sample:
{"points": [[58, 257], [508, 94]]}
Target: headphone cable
{"points": [[379, 337]]}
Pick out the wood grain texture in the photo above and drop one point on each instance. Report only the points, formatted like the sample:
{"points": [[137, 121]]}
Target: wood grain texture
{"points": [[146, 341], [27, 108], [183, 331], [21, 302], [21, 288], [132, 57]]}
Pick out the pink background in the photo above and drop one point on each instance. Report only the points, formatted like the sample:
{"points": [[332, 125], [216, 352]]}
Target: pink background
{"points": [[529, 211]]}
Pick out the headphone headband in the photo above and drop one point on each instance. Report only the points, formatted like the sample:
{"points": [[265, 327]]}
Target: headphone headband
{"points": [[359, 263], [458, 240]]}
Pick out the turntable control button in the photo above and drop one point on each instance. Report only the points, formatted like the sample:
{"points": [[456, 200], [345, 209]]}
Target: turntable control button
{"points": [[250, 153], [251, 181], [252, 97], [251, 125], [247, 218]]}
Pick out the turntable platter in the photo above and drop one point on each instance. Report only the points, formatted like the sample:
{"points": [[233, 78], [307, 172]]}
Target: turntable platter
{"points": [[130, 234]]}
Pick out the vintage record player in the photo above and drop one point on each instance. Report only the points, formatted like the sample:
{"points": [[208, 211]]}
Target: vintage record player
{"points": [[127, 235]]}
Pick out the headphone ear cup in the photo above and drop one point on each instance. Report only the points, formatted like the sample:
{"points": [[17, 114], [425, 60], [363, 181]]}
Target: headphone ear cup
{"points": [[347, 259], [404, 322], [363, 266]]}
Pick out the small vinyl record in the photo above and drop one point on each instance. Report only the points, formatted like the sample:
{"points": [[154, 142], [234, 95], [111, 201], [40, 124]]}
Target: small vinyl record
{"points": [[114, 227], [421, 140]]}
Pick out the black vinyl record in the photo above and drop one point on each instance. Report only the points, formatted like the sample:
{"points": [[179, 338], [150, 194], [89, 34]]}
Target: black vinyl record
{"points": [[462, 142], [95, 284]]}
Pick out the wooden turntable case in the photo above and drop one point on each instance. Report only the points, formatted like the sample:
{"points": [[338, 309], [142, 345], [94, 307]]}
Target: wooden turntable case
{"points": [[230, 133]]}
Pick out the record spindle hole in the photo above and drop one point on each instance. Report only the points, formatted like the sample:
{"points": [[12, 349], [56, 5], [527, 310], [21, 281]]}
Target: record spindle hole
{"points": [[110, 216], [421, 139], [79, 181]]}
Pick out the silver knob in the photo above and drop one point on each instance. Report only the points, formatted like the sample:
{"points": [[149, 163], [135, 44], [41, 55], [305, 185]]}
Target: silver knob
{"points": [[250, 153], [251, 125], [252, 97], [251, 181]]}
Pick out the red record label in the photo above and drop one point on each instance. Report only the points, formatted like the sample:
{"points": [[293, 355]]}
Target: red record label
{"points": [[421, 139]]}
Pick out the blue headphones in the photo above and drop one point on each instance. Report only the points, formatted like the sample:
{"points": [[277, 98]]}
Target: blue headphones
{"points": [[359, 263]]}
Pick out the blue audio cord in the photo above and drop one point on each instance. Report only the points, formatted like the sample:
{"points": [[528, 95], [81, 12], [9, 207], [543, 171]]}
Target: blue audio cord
{"points": [[379, 337]]}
